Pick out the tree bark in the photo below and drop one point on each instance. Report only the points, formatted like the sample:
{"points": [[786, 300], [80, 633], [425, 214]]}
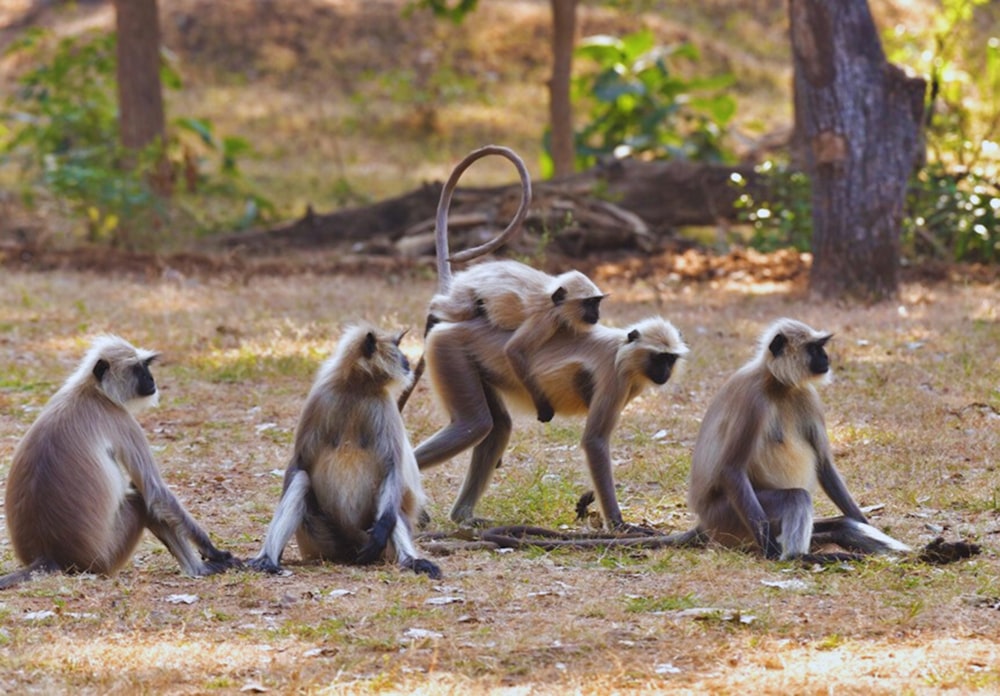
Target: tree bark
{"points": [[861, 121], [560, 108], [140, 97]]}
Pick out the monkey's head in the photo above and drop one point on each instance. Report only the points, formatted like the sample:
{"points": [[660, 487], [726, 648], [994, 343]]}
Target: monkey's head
{"points": [[120, 371], [367, 356], [795, 353], [654, 349], [580, 298]]}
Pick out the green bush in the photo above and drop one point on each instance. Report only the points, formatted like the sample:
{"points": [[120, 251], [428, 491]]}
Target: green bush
{"points": [[61, 134], [637, 105]]}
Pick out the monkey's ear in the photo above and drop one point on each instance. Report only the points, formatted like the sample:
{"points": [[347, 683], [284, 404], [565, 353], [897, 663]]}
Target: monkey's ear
{"points": [[101, 368], [368, 349], [778, 344], [559, 295], [633, 336]]}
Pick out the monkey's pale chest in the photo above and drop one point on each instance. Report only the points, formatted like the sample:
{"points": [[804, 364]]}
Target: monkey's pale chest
{"points": [[345, 477], [784, 459]]}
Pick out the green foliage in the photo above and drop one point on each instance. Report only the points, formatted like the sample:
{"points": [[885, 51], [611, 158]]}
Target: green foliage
{"points": [[954, 202], [61, 133], [455, 11], [783, 217], [638, 105], [952, 214]]}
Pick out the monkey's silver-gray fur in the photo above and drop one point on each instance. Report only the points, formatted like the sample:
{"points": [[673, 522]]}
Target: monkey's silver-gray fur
{"points": [[352, 485], [762, 450], [83, 483], [595, 373]]}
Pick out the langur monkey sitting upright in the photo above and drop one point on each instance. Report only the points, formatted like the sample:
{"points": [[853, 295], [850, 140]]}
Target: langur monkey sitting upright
{"points": [[83, 484], [763, 447], [352, 485], [594, 373]]}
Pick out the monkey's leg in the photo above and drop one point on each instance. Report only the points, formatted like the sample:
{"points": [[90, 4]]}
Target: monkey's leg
{"points": [[461, 391], [790, 513], [855, 536], [287, 518], [406, 553], [485, 458], [386, 518], [129, 525]]}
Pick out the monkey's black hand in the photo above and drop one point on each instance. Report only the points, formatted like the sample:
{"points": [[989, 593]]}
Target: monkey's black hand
{"points": [[545, 410], [422, 566], [264, 565], [772, 549], [378, 539]]}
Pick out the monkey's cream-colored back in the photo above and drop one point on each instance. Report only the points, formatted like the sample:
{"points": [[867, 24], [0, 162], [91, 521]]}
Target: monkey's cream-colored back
{"points": [[507, 291]]}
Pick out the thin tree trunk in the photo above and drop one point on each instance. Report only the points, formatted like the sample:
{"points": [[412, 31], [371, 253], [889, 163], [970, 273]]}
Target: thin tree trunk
{"points": [[860, 119], [140, 97], [560, 109]]}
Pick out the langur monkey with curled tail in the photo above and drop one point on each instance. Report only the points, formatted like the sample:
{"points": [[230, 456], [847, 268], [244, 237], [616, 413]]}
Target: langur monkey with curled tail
{"points": [[352, 485], [762, 449], [83, 483], [511, 295], [595, 373]]}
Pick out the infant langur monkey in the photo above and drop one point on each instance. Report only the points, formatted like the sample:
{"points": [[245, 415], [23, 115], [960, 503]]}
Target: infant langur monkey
{"points": [[83, 484], [534, 305], [762, 449], [352, 485]]}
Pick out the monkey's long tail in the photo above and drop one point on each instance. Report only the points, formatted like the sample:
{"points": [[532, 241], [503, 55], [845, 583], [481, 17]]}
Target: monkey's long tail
{"points": [[38, 566], [522, 536]]}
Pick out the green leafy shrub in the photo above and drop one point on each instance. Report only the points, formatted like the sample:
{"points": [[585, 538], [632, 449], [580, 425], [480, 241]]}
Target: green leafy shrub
{"points": [[61, 134], [639, 106], [783, 216]]}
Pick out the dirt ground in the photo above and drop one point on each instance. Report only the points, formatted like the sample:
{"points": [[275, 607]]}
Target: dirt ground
{"points": [[913, 414]]}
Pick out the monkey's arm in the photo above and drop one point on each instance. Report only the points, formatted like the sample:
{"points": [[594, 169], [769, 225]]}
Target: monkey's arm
{"points": [[166, 516], [534, 332], [287, 518], [829, 478], [601, 421]]}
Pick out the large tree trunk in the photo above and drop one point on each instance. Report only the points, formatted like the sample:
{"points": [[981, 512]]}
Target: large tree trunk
{"points": [[860, 119], [560, 109], [140, 98]]}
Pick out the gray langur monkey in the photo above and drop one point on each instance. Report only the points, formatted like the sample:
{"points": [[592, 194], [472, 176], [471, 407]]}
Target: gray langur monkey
{"points": [[444, 258], [594, 373], [83, 483], [534, 305], [762, 449], [352, 485]]}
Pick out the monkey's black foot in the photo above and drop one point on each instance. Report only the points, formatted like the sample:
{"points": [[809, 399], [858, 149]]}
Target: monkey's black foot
{"points": [[421, 566], [545, 411], [264, 565], [941, 552], [585, 501], [476, 523], [222, 558], [625, 529]]}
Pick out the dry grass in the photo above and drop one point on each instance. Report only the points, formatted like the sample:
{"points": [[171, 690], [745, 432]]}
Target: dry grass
{"points": [[912, 415]]}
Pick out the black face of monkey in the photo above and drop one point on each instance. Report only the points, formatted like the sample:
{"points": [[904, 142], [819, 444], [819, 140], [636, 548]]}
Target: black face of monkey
{"points": [[819, 362], [145, 384], [659, 367], [590, 309]]}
